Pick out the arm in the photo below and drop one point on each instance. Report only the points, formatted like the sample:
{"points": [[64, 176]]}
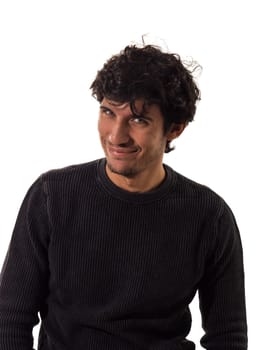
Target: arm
{"points": [[221, 292], [24, 276]]}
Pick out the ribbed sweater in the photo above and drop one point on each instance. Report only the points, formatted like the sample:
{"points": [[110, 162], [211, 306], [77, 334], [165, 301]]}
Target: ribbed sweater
{"points": [[109, 269]]}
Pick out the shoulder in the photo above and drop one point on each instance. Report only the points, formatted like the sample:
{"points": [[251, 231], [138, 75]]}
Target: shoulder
{"points": [[188, 187], [70, 179], [69, 172], [210, 205], [196, 194]]}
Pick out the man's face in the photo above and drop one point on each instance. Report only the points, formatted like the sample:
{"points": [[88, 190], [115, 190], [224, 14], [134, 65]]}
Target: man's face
{"points": [[132, 144]]}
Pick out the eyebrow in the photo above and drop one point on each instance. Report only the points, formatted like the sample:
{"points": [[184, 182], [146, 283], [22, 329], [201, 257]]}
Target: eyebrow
{"points": [[142, 116], [104, 107], [119, 105]]}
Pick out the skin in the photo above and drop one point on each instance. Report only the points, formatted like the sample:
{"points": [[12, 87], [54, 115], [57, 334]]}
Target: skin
{"points": [[134, 146]]}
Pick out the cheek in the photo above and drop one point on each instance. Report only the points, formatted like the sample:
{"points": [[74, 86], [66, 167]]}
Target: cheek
{"points": [[105, 126], [151, 145], [101, 128], [154, 140]]}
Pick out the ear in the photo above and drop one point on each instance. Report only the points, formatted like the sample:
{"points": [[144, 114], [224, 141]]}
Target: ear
{"points": [[175, 131]]}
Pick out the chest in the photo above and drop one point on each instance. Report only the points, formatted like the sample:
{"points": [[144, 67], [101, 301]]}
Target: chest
{"points": [[101, 253]]}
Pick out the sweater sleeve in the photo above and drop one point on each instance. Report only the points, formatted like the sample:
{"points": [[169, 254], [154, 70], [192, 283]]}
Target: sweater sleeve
{"points": [[24, 276], [221, 292]]}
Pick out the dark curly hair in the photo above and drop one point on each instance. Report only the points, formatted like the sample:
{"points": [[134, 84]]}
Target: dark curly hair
{"points": [[156, 77]]}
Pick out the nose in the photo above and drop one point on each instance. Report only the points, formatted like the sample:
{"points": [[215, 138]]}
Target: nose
{"points": [[119, 135]]}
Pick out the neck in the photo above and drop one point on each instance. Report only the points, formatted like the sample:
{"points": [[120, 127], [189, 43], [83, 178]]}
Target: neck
{"points": [[142, 182]]}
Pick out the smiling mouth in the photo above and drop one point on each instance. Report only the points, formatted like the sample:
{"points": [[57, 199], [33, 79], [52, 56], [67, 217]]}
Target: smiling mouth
{"points": [[122, 152]]}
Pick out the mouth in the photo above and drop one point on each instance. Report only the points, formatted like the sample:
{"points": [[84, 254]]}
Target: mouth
{"points": [[122, 152]]}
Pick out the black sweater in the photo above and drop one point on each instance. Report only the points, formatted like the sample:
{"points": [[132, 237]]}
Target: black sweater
{"points": [[113, 270]]}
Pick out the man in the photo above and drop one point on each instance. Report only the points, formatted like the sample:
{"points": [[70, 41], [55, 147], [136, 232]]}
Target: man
{"points": [[112, 252]]}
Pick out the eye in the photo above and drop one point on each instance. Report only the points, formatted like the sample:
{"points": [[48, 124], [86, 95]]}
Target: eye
{"points": [[106, 111], [139, 120]]}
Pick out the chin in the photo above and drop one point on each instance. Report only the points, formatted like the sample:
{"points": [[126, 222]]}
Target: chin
{"points": [[123, 171]]}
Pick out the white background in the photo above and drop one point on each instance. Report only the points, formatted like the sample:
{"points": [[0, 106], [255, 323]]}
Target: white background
{"points": [[50, 53]]}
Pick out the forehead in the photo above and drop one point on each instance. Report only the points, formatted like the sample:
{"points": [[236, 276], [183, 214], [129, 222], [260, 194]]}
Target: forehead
{"points": [[115, 104]]}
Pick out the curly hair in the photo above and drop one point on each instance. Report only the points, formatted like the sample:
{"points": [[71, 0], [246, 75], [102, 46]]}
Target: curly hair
{"points": [[152, 75]]}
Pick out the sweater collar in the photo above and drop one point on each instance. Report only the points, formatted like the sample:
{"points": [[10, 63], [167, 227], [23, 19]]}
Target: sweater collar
{"points": [[162, 190]]}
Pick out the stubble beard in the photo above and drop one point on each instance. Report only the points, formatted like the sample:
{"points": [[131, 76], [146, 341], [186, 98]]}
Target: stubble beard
{"points": [[129, 172], [132, 172]]}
